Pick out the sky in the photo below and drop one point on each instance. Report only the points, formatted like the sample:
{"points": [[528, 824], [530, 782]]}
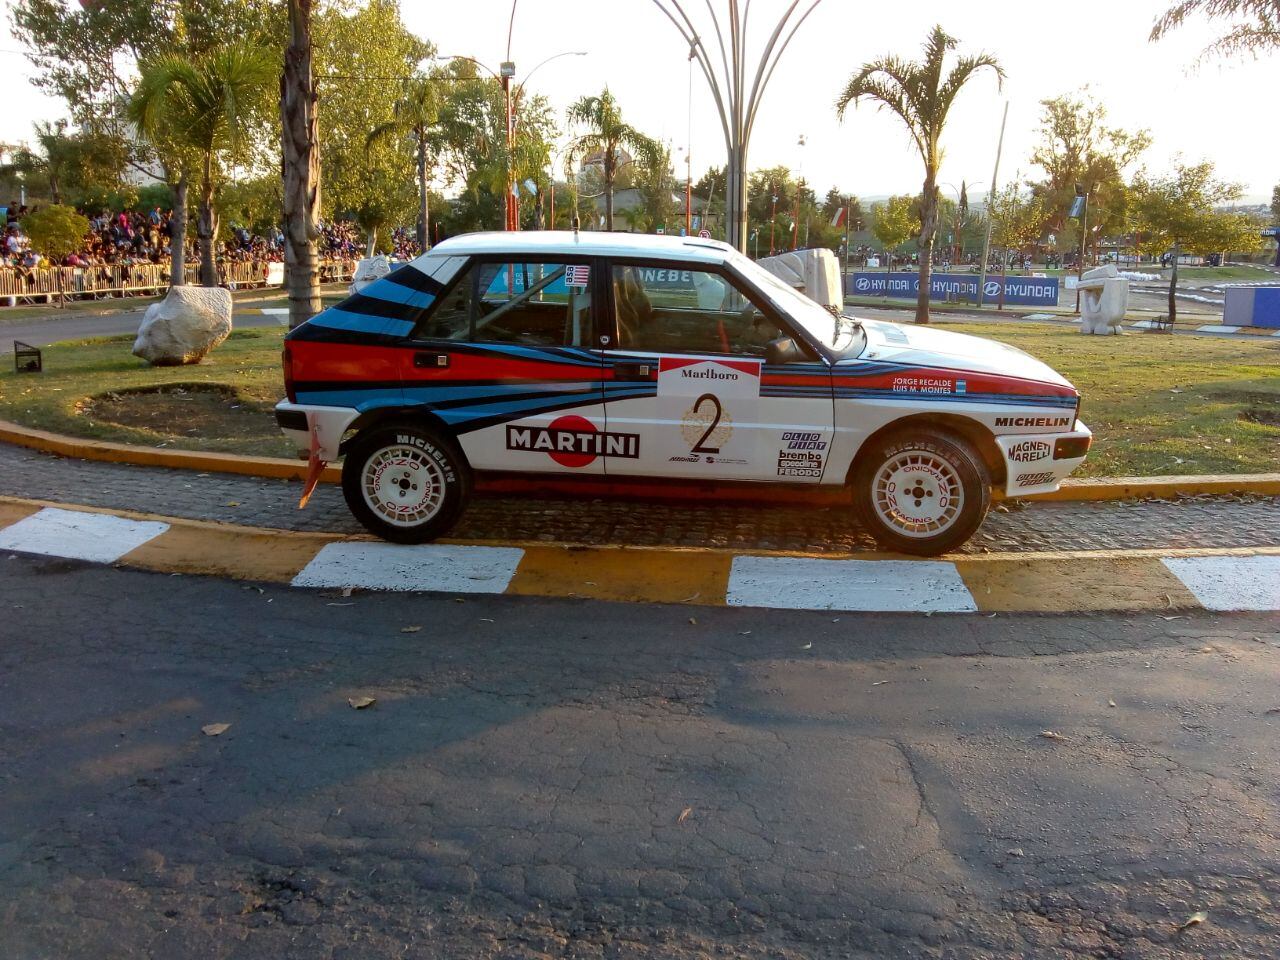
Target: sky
{"points": [[1215, 111]]}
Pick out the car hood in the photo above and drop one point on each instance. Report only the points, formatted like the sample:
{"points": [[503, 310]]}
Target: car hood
{"points": [[928, 347]]}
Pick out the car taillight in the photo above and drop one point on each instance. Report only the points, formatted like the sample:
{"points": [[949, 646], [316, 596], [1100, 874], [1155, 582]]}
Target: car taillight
{"points": [[287, 360], [1068, 448]]}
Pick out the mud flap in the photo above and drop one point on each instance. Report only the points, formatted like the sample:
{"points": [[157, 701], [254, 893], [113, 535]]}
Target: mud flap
{"points": [[315, 466]]}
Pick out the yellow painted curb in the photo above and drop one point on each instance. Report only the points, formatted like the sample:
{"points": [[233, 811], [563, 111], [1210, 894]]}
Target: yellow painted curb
{"points": [[279, 468], [1062, 582]]}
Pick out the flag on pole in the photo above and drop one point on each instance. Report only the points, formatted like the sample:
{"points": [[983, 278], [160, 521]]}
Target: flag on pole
{"points": [[838, 219]]}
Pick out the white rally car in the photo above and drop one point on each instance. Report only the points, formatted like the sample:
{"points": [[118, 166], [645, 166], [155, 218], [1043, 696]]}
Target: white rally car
{"points": [[623, 356]]}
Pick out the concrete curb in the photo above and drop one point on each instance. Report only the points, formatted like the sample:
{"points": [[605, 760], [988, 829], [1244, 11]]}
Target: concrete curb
{"points": [[1159, 581], [278, 468]]}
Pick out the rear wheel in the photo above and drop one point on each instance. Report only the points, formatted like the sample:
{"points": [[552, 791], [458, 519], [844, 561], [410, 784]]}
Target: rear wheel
{"points": [[922, 491], [405, 483]]}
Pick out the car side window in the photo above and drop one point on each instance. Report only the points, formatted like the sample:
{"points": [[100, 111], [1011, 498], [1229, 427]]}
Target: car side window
{"points": [[533, 303], [678, 310]]}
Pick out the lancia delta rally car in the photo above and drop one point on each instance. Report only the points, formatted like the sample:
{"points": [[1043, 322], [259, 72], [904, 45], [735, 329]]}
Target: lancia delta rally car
{"points": [[623, 356]]}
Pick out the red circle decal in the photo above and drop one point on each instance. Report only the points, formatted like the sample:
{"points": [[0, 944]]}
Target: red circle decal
{"points": [[573, 424]]}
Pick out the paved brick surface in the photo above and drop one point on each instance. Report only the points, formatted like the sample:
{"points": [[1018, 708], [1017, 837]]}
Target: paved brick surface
{"points": [[559, 779], [1198, 522]]}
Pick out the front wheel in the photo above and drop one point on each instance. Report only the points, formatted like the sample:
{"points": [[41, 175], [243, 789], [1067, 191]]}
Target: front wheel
{"points": [[405, 483], [922, 491]]}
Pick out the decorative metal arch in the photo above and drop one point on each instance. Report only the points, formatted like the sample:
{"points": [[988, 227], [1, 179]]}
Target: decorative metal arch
{"points": [[736, 102]]}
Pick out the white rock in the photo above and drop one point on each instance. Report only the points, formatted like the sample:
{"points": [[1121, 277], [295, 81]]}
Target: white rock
{"points": [[184, 326], [1104, 298], [367, 271], [815, 273]]}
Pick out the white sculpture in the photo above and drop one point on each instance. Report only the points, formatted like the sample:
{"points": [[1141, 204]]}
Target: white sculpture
{"points": [[184, 326], [815, 273], [1104, 298], [367, 271]]}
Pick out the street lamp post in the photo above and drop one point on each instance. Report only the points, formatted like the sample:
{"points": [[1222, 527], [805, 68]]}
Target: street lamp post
{"points": [[736, 100]]}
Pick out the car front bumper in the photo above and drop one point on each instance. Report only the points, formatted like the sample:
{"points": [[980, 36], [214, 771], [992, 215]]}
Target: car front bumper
{"points": [[1039, 462], [308, 426]]}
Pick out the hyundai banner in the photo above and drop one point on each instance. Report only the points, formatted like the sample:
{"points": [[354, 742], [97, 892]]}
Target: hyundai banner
{"points": [[1018, 291]]}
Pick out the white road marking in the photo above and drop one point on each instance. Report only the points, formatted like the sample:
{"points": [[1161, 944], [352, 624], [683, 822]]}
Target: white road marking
{"points": [[1217, 328], [1230, 583], [806, 583], [390, 566], [96, 537]]}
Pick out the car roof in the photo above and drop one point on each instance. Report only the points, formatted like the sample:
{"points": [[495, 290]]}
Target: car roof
{"points": [[590, 243]]}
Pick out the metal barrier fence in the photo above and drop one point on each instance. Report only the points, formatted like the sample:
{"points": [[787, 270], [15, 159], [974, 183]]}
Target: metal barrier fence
{"points": [[20, 285]]}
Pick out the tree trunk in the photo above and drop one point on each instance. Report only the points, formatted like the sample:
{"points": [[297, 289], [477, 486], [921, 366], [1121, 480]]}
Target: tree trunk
{"points": [[1173, 288], [610, 173], [928, 227], [178, 235], [207, 227], [300, 168], [371, 242], [424, 214]]}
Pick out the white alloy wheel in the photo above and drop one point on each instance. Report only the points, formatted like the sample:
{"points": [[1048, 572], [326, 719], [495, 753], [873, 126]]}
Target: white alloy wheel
{"points": [[917, 493], [403, 485]]}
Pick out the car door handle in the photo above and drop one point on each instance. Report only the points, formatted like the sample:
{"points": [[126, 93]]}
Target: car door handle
{"points": [[426, 360], [632, 371]]}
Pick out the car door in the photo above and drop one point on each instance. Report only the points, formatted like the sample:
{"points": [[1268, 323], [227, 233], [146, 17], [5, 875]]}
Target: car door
{"points": [[505, 360], [686, 379]]}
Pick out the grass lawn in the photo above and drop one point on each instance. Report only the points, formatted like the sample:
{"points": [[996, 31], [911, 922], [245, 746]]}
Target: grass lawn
{"points": [[1157, 404]]}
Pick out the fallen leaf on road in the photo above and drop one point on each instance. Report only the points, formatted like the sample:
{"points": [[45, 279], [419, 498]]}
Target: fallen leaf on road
{"points": [[1194, 920], [684, 814], [413, 629], [360, 703], [215, 729], [694, 621], [877, 683], [807, 646], [232, 503], [486, 619], [1052, 735], [346, 591], [1163, 617], [1014, 852], [744, 633], [1111, 703]]}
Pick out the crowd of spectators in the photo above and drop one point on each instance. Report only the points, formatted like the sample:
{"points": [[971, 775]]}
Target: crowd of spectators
{"points": [[136, 237]]}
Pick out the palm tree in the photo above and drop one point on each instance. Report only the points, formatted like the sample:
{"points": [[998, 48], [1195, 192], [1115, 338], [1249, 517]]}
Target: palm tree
{"points": [[417, 113], [921, 97], [607, 136], [1256, 32], [300, 167], [205, 103]]}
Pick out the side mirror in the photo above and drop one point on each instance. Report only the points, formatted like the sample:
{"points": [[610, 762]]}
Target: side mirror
{"points": [[783, 350]]}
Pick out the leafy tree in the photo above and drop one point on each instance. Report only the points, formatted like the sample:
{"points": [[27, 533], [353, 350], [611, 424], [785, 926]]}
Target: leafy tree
{"points": [[607, 136], [779, 217], [56, 232], [416, 114], [69, 163], [1017, 221], [1077, 147], [207, 103], [894, 222], [1275, 203], [1255, 24], [655, 182], [921, 96], [363, 53], [1179, 212]]}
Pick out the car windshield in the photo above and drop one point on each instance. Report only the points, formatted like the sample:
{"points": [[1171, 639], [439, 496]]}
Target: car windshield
{"points": [[841, 336]]}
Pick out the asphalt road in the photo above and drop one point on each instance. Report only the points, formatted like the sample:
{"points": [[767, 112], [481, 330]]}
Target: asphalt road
{"points": [[574, 779]]}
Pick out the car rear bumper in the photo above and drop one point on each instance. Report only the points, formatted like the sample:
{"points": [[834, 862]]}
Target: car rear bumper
{"points": [[1039, 462], [300, 423]]}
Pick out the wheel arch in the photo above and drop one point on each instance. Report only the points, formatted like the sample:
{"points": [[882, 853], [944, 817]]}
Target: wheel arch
{"points": [[977, 434], [414, 415]]}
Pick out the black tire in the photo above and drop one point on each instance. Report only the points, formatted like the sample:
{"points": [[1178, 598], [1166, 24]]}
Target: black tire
{"points": [[431, 490], [927, 522]]}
